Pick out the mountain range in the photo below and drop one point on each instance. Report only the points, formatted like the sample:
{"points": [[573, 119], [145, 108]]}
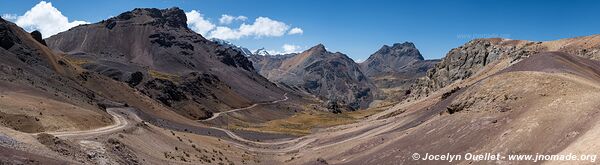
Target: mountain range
{"points": [[331, 76], [143, 88]]}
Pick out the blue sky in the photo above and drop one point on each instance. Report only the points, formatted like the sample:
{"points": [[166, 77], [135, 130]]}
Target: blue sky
{"points": [[359, 27]]}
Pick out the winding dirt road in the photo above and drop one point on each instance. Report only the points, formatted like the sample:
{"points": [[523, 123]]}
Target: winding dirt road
{"points": [[215, 115], [124, 118], [121, 122]]}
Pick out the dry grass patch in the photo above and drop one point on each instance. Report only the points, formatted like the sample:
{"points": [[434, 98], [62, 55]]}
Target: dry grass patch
{"points": [[305, 122], [162, 75], [76, 61]]}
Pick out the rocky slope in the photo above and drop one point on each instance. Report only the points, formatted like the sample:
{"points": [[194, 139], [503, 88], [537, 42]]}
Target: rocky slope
{"points": [[467, 60], [330, 76], [35, 81], [154, 51], [394, 68]]}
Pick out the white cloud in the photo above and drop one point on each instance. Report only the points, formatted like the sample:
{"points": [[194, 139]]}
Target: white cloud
{"points": [[10, 17], [45, 18], [262, 27], [241, 18], [359, 60], [287, 48], [197, 23], [295, 31], [227, 19], [225, 33]]}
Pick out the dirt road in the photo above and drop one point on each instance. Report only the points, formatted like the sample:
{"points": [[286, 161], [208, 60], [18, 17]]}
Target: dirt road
{"points": [[215, 115], [120, 122], [125, 118]]}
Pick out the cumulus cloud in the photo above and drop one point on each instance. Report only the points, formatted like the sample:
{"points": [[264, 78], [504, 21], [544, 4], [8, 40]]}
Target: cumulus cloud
{"points": [[264, 26], [45, 18], [295, 31], [227, 19], [261, 27], [197, 23], [287, 48], [359, 60], [225, 33], [10, 17]]}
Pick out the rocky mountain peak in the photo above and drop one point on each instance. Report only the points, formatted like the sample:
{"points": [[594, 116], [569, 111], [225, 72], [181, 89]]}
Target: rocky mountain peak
{"points": [[172, 17], [393, 59], [318, 48], [403, 61], [407, 49], [404, 45]]}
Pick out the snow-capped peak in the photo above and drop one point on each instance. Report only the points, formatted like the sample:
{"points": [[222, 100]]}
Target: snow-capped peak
{"points": [[262, 52], [244, 51]]}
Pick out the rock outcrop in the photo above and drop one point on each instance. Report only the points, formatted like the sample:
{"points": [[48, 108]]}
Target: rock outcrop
{"points": [[38, 37], [462, 62], [467, 60]]}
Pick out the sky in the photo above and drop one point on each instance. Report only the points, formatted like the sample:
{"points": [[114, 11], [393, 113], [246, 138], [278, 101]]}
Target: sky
{"points": [[356, 28]]}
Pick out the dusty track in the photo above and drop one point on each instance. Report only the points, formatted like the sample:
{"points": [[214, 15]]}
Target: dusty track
{"points": [[215, 115], [120, 123], [125, 117]]}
